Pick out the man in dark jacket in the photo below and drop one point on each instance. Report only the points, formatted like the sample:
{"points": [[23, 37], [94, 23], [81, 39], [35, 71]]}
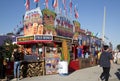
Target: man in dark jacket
{"points": [[105, 62]]}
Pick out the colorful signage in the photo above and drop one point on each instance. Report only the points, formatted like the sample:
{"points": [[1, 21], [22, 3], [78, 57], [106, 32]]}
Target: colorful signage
{"points": [[82, 31], [33, 22], [33, 16], [43, 37], [34, 38], [64, 26], [33, 29], [26, 38], [60, 39]]}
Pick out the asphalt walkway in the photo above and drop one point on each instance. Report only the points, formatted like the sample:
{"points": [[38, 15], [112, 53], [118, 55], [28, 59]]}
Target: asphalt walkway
{"points": [[87, 74]]}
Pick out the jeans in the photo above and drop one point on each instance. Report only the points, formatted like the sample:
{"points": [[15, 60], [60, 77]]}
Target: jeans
{"points": [[16, 69]]}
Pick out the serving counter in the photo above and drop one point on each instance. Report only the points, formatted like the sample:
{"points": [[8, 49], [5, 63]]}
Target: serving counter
{"points": [[32, 68]]}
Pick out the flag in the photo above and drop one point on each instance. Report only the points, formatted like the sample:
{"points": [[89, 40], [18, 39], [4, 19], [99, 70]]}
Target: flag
{"points": [[60, 11], [14, 29], [76, 12], [70, 4], [17, 26], [36, 1], [55, 3], [64, 4], [46, 3], [27, 4], [96, 34]]}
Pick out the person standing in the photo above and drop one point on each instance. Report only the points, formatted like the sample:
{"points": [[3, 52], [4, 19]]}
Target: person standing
{"points": [[18, 57], [105, 62], [1, 65]]}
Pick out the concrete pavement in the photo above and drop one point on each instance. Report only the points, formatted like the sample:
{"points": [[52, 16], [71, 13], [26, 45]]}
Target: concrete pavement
{"points": [[87, 74]]}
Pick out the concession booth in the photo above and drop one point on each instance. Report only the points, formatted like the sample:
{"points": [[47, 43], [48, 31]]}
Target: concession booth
{"points": [[43, 44]]}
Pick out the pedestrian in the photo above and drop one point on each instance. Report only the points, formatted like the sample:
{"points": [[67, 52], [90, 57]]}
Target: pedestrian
{"points": [[18, 57], [105, 62], [115, 56], [118, 57], [98, 56], [1, 65]]}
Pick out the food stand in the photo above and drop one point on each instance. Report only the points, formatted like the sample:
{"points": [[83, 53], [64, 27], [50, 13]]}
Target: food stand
{"points": [[43, 34], [42, 44]]}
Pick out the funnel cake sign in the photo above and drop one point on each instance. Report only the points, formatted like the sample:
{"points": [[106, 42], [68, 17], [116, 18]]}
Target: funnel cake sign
{"points": [[64, 26]]}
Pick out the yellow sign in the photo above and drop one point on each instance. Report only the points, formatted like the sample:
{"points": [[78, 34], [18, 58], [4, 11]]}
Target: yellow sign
{"points": [[27, 38]]}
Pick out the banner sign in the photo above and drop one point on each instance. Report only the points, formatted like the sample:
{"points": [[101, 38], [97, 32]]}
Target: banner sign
{"points": [[64, 26], [43, 37], [60, 39], [25, 38], [34, 38], [33, 16]]}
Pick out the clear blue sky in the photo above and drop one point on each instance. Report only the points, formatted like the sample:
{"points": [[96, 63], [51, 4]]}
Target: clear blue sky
{"points": [[90, 16]]}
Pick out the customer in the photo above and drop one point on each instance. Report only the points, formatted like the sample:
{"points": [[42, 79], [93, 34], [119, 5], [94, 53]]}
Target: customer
{"points": [[105, 62], [18, 55]]}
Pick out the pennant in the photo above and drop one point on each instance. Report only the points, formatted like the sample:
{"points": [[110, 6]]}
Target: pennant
{"points": [[55, 4], [15, 29], [60, 11], [76, 12], [27, 4], [70, 4], [46, 3], [96, 34], [64, 4], [36, 1]]}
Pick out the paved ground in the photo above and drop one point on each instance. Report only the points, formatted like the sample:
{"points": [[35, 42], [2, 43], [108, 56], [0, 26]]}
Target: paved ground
{"points": [[87, 74]]}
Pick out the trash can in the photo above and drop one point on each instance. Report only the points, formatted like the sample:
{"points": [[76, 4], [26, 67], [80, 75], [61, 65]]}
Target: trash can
{"points": [[63, 68]]}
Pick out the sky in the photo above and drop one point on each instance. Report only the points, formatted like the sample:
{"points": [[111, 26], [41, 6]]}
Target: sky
{"points": [[91, 13]]}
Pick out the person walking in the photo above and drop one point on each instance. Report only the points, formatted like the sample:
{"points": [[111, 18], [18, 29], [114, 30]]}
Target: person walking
{"points": [[105, 62], [118, 57], [18, 57]]}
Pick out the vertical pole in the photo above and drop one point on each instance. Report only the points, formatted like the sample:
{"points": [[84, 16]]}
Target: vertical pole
{"points": [[103, 28]]}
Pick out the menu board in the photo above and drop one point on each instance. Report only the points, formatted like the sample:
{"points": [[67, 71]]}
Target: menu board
{"points": [[52, 58]]}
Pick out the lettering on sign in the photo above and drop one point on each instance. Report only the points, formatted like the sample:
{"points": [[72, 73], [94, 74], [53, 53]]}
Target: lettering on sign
{"points": [[28, 38], [60, 39], [43, 37]]}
